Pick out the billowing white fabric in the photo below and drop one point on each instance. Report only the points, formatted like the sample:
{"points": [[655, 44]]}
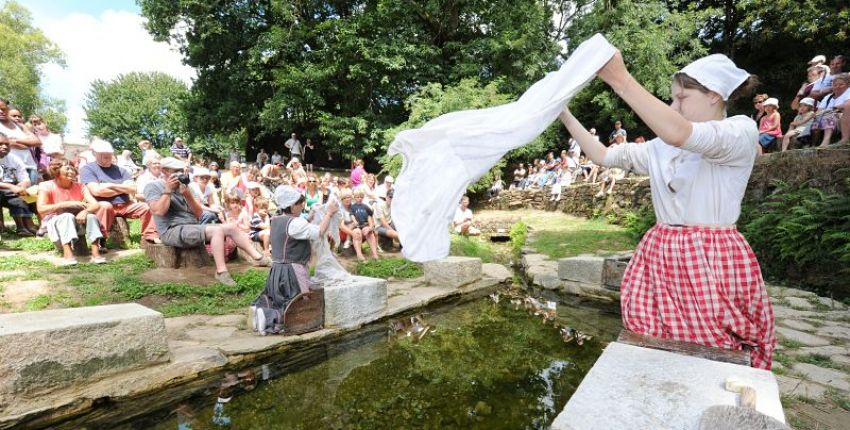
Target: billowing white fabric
{"points": [[449, 152], [701, 183], [328, 268], [717, 73]]}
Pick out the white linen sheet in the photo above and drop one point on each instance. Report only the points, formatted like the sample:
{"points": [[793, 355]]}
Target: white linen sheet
{"points": [[449, 152]]}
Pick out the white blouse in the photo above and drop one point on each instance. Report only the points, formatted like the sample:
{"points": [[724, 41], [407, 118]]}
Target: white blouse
{"points": [[701, 183], [299, 228]]}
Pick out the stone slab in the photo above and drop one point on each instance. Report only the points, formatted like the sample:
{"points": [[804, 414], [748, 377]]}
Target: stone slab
{"points": [[453, 271], [630, 387], [837, 331], [584, 268], [797, 325], [800, 303], [829, 377], [792, 386], [497, 271], [47, 350], [802, 337], [356, 302]]}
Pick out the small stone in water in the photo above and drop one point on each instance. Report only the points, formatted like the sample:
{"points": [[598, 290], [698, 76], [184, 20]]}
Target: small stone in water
{"points": [[482, 408]]}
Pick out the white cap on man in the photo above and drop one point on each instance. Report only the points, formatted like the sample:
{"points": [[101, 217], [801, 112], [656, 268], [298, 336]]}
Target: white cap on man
{"points": [[172, 163], [102, 146], [200, 171]]}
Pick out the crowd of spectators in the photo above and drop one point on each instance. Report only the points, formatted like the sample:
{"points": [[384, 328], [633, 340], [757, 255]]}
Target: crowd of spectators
{"points": [[819, 104], [181, 200], [568, 168]]}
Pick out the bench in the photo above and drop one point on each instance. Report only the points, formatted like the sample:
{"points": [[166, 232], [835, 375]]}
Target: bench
{"points": [[175, 258]]}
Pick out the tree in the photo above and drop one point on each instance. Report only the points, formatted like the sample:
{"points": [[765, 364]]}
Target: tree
{"points": [[343, 69], [24, 50], [655, 40], [137, 106]]}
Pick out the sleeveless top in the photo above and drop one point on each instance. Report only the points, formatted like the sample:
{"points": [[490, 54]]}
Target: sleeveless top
{"points": [[316, 198], [285, 249]]}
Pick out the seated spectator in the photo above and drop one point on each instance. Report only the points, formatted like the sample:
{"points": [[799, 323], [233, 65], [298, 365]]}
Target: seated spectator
{"points": [[610, 176], [357, 173], [519, 176], [271, 175], [126, 162], [14, 181], [812, 75], [111, 186], [828, 109], [800, 127], [231, 181], [758, 103], [63, 203], [51, 143], [770, 126], [347, 232], [369, 187], [385, 187], [176, 213], [462, 221], [22, 143], [364, 220], [260, 224], [152, 172], [206, 194], [496, 188], [215, 177], [564, 179], [147, 151], [384, 219], [312, 194], [296, 171]]}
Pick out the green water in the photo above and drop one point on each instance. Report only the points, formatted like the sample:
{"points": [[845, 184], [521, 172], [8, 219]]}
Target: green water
{"points": [[483, 366]]}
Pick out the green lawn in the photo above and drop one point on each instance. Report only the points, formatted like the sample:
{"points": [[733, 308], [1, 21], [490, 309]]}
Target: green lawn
{"points": [[560, 235]]}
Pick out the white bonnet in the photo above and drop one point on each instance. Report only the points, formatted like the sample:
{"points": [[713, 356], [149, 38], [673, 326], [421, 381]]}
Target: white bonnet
{"points": [[285, 196], [717, 73]]}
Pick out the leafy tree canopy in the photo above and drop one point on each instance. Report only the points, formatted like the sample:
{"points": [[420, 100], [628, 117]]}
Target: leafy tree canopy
{"points": [[343, 69], [24, 49], [137, 106]]}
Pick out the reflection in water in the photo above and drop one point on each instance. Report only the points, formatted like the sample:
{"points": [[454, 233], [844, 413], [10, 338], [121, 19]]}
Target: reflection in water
{"points": [[483, 365]]}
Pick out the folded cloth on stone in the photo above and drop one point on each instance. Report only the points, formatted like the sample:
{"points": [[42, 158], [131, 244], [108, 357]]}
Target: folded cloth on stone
{"points": [[449, 152]]}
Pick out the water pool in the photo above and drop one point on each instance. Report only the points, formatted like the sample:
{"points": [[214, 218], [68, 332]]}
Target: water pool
{"points": [[482, 366]]}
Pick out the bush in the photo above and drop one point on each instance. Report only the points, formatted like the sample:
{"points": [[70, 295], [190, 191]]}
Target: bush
{"points": [[519, 233], [638, 223], [801, 232]]}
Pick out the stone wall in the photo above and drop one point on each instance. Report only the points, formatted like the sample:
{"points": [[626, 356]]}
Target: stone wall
{"points": [[824, 168], [580, 199]]}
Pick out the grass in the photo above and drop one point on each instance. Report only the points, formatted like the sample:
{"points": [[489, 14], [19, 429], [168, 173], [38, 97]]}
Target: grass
{"points": [[571, 236], [12, 241], [790, 343], [473, 246], [785, 360], [389, 267], [819, 360], [519, 235], [842, 400]]}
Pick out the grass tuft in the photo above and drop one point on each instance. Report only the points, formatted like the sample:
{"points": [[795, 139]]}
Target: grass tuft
{"points": [[389, 267]]}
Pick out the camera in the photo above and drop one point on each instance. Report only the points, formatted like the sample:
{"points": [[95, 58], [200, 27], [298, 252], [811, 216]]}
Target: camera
{"points": [[182, 178]]}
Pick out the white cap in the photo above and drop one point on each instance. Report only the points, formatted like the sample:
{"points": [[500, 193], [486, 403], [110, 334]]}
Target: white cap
{"points": [[771, 102], [100, 145], [818, 59], [172, 163], [200, 171], [389, 178], [252, 184], [285, 196], [717, 73], [808, 101]]}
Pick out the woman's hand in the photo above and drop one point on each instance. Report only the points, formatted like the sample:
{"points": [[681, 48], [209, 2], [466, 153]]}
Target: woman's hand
{"points": [[81, 216], [71, 205], [614, 71], [332, 207]]}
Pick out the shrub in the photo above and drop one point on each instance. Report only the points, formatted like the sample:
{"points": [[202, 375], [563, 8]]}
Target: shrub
{"points": [[519, 233]]}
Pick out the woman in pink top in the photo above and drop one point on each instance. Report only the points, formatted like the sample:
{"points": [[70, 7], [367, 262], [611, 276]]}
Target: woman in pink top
{"points": [[357, 173], [770, 125], [63, 203]]}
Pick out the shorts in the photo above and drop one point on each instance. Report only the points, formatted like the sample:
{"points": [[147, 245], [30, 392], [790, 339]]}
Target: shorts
{"points": [[185, 236], [382, 231], [17, 206], [826, 121], [765, 140]]}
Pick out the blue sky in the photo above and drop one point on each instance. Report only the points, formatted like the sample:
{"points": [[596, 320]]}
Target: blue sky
{"points": [[100, 39]]}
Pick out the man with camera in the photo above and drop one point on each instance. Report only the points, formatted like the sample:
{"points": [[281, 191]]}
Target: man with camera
{"points": [[176, 212], [112, 186]]}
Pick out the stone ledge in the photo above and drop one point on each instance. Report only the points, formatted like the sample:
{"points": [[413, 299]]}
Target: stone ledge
{"points": [[583, 268], [47, 350], [356, 302], [453, 272]]}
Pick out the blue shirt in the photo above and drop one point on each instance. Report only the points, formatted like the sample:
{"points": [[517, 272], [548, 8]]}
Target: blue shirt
{"points": [[93, 173]]}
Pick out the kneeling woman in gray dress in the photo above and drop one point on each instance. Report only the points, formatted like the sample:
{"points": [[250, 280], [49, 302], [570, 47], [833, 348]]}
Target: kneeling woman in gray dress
{"points": [[290, 242]]}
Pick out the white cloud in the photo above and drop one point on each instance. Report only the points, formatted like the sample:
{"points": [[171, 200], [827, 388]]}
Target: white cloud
{"points": [[102, 47]]}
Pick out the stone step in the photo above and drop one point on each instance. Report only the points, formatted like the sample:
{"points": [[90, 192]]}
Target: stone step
{"points": [[453, 272], [354, 302], [584, 268], [47, 350]]}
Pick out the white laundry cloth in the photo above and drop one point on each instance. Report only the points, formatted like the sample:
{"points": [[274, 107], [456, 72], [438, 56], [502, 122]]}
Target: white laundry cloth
{"points": [[449, 152]]}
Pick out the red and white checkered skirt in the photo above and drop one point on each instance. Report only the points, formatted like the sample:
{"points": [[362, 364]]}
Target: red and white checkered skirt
{"points": [[701, 285]]}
